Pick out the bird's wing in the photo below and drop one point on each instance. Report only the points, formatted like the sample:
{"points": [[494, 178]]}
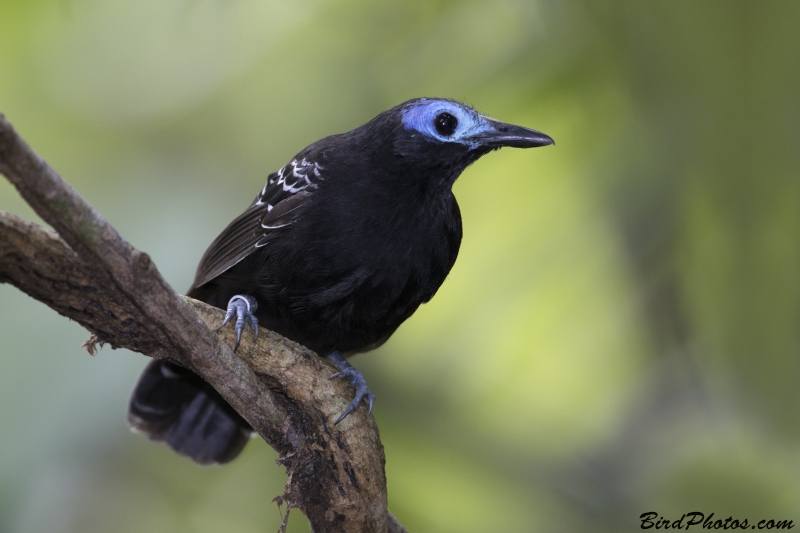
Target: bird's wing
{"points": [[276, 206]]}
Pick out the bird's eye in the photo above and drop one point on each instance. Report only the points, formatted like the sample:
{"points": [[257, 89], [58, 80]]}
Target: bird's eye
{"points": [[445, 124]]}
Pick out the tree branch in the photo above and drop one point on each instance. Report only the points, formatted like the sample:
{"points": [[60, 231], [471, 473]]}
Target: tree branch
{"points": [[90, 274]]}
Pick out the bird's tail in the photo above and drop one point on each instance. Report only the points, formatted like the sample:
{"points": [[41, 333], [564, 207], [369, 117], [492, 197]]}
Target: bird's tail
{"points": [[173, 405]]}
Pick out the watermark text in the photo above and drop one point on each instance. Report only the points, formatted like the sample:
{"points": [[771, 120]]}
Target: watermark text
{"points": [[698, 520]]}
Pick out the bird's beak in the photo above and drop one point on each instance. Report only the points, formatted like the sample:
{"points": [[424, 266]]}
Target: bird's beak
{"points": [[499, 134]]}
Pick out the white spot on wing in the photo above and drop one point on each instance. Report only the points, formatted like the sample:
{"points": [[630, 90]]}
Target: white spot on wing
{"points": [[267, 226], [298, 179], [294, 181]]}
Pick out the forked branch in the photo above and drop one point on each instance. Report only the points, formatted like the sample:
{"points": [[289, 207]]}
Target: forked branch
{"points": [[89, 273]]}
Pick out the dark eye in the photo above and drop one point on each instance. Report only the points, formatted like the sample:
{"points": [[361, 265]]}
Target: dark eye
{"points": [[445, 124]]}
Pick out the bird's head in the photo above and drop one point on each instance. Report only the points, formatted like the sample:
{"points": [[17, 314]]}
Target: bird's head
{"points": [[448, 135], [432, 139]]}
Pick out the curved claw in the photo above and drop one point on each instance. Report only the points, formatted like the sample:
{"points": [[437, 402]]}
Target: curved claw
{"points": [[371, 401], [238, 336], [243, 307], [350, 408], [254, 325], [362, 392]]}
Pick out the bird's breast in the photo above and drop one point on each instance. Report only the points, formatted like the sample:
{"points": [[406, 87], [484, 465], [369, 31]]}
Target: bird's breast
{"points": [[358, 277], [395, 235]]}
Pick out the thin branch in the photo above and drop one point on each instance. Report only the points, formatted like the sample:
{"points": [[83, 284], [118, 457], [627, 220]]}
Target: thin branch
{"points": [[90, 274]]}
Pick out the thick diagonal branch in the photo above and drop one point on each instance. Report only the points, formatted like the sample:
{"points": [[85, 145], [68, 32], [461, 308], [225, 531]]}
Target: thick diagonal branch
{"points": [[95, 277]]}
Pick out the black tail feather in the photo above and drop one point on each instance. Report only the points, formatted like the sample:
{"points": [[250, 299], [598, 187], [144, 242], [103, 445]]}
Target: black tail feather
{"points": [[173, 405]]}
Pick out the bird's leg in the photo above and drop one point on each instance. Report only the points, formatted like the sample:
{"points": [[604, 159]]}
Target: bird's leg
{"points": [[243, 306], [346, 370]]}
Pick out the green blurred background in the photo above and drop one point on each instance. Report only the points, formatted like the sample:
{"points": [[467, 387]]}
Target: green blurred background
{"points": [[619, 334]]}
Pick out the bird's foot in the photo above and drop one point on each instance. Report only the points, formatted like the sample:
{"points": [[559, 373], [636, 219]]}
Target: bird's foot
{"points": [[347, 371], [242, 306]]}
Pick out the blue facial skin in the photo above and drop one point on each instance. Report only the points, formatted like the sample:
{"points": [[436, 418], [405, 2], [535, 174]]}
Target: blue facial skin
{"points": [[419, 117]]}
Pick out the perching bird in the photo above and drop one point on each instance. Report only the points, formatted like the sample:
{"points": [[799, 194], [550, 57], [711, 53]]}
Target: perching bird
{"points": [[337, 250]]}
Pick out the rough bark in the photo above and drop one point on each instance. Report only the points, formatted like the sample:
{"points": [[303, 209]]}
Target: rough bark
{"points": [[89, 273]]}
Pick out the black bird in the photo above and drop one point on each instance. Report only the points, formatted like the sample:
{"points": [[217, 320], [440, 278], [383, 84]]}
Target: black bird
{"points": [[337, 250]]}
